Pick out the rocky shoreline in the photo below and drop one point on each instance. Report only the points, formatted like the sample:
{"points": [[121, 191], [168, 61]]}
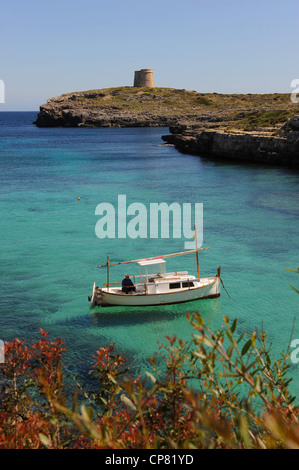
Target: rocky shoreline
{"points": [[51, 116], [241, 146], [208, 125]]}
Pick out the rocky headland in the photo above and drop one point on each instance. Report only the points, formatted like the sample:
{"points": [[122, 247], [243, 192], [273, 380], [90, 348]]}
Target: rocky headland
{"points": [[258, 128]]}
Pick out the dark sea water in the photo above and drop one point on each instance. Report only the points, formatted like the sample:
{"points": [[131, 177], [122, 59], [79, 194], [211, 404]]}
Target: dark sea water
{"points": [[50, 252]]}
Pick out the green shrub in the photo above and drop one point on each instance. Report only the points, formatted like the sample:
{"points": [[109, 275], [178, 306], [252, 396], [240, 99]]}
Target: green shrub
{"points": [[220, 390]]}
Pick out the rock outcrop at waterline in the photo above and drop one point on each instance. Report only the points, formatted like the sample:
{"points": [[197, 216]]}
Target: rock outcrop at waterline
{"points": [[260, 128], [280, 149], [52, 116]]}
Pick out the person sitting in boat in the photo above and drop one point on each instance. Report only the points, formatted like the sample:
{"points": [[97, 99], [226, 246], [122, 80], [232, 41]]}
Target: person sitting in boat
{"points": [[127, 285]]}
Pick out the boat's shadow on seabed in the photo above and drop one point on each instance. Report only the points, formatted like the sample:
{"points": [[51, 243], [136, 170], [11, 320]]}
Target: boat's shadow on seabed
{"points": [[121, 316]]}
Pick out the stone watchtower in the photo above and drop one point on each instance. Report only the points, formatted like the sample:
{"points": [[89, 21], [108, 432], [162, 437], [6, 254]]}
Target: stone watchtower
{"points": [[144, 77]]}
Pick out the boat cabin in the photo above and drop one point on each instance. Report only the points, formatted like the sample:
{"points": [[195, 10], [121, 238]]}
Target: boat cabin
{"points": [[154, 279]]}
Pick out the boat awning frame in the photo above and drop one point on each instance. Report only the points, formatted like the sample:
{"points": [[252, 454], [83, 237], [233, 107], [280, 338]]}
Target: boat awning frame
{"points": [[151, 262]]}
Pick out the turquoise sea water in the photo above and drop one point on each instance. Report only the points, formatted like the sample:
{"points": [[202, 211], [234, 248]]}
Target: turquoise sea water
{"points": [[50, 253]]}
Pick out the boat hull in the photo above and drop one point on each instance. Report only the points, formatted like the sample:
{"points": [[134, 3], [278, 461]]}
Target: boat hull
{"points": [[212, 290]]}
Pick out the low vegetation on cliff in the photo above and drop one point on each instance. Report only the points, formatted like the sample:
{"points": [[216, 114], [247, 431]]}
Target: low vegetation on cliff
{"points": [[175, 101]]}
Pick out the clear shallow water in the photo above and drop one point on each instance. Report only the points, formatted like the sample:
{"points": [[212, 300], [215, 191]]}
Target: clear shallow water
{"points": [[50, 253]]}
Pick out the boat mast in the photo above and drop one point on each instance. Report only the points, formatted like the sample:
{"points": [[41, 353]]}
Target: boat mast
{"points": [[196, 245], [107, 273]]}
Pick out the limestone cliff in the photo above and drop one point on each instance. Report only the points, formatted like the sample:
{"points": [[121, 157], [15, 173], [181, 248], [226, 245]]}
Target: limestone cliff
{"points": [[277, 148]]}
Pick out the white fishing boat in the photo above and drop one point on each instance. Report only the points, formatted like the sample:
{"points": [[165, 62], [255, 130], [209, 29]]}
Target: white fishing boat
{"points": [[154, 286]]}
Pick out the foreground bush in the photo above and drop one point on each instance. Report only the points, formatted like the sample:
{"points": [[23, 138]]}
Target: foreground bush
{"points": [[218, 391]]}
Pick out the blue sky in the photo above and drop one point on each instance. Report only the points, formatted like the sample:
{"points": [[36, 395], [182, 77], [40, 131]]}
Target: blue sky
{"points": [[225, 46]]}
